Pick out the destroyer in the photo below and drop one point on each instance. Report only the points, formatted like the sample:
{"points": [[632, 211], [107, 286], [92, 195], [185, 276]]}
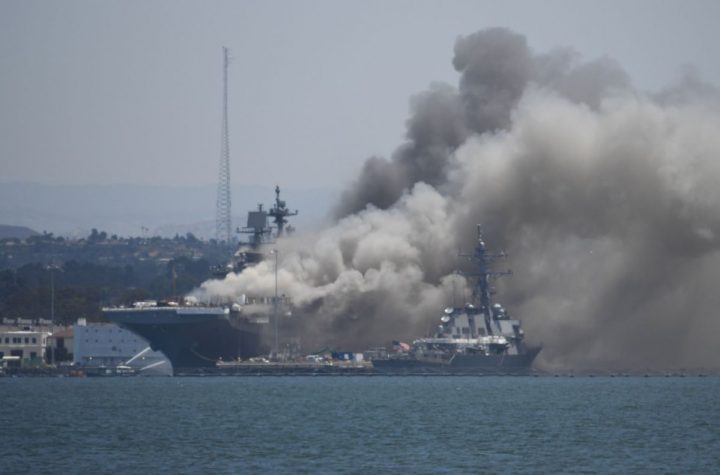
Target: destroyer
{"points": [[193, 335], [477, 338]]}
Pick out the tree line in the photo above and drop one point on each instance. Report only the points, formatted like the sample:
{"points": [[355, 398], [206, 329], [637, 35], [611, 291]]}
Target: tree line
{"points": [[81, 289]]}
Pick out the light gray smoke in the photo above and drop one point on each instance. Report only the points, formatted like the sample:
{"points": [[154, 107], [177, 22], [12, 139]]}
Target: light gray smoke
{"points": [[611, 219], [605, 198]]}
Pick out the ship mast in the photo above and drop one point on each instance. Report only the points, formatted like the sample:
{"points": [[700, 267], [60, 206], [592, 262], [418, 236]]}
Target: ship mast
{"points": [[482, 290], [279, 212]]}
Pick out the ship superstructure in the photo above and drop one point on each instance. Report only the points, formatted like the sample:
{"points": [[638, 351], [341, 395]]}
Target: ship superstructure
{"points": [[260, 233], [479, 337], [280, 212], [193, 335]]}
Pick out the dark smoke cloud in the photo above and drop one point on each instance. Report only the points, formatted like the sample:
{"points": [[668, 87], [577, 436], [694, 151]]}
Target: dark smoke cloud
{"points": [[588, 83], [605, 197], [435, 129], [495, 66]]}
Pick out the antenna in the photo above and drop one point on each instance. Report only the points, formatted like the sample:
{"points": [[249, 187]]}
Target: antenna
{"points": [[454, 301], [482, 291], [223, 224], [279, 212]]}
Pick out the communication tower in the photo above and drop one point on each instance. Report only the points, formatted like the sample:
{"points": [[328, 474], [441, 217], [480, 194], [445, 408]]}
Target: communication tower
{"points": [[223, 224]]}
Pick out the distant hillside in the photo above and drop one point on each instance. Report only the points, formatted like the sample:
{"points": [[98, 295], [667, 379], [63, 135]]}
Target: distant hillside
{"points": [[8, 231], [134, 210]]}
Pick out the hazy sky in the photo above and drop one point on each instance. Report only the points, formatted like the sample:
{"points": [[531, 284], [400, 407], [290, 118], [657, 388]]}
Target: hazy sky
{"points": [[130, 92]]}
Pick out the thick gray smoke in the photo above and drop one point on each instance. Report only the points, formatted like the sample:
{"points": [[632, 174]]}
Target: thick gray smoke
{"points": [[374, 276], [606, 199], [612, 220]]}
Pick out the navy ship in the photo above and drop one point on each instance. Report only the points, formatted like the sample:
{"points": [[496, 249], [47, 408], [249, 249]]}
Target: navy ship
{"points": [[194, 335], [477, 338]]}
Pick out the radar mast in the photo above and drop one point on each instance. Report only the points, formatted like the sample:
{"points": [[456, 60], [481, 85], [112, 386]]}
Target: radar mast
{"points": [[279, 212], [482, 290]]}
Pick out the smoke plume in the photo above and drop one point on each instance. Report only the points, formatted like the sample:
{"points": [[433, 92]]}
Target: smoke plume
{"points": [[604, 197]]}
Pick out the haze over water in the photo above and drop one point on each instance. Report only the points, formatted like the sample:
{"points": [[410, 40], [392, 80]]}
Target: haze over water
{"points": [[360, 425]]}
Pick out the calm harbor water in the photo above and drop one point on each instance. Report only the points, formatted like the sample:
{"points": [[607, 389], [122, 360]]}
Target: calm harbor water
{"points": [[360, 425]]}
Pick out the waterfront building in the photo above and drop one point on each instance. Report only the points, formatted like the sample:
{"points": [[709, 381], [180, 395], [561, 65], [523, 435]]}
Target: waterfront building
{"points": [[23, 347], [60, 346]]}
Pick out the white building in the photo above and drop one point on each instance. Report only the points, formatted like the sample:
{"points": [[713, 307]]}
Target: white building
{"points": [[23, 346], [106, 344]]}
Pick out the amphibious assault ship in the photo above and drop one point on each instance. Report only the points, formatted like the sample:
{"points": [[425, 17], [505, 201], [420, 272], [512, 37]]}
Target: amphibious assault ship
{"points": [[194, 335], [477, 338]]}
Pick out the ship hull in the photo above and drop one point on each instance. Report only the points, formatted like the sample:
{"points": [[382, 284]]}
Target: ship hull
{"points": [[194, 339], [461, 364]]}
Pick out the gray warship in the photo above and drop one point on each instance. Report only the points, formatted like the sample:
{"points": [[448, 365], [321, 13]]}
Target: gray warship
{"points": [[194, 335], [477, 338], [260, 232]]}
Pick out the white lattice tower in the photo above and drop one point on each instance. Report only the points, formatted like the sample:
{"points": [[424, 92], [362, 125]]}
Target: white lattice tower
{"points": [[223, 222]]}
